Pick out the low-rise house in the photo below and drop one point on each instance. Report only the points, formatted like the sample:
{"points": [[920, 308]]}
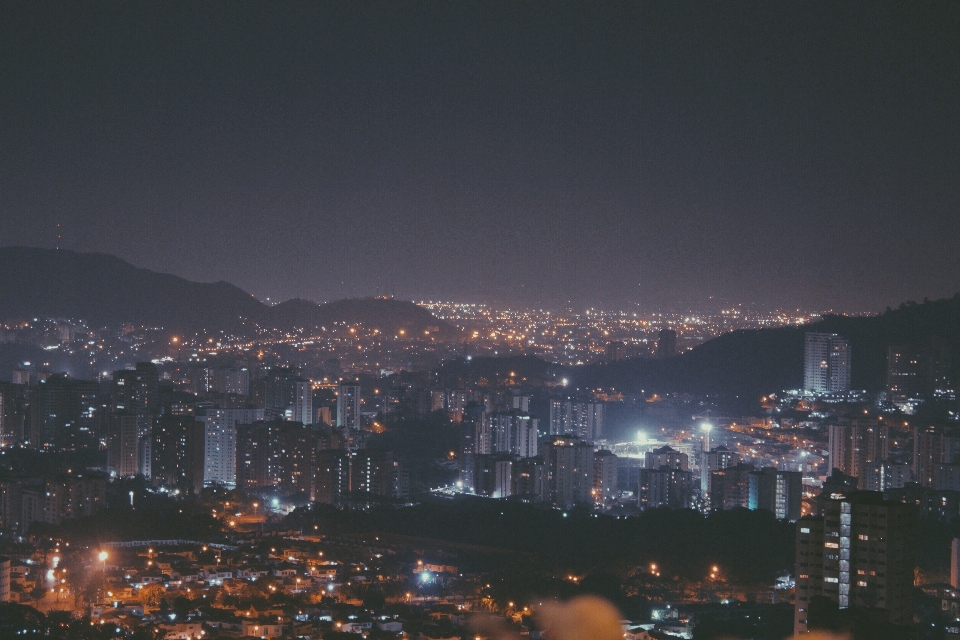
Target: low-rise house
{"points": [[391, 626], [323, 573], [182, 631], [251, 573], [217, 577], [257, 629]]}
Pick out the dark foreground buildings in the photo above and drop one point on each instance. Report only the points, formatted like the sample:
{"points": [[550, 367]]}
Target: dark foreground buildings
{"points": [[855, 561]]}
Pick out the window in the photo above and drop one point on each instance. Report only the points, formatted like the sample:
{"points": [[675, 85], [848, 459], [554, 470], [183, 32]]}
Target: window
{"points": [[863, 536], [861, 583], [804, 529]]}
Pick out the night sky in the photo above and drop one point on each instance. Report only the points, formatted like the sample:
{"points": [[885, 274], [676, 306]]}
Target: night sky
{"points": [[525, 153]]}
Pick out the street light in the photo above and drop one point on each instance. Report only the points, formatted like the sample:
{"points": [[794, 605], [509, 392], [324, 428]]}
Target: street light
{"points": [[103, 560]]}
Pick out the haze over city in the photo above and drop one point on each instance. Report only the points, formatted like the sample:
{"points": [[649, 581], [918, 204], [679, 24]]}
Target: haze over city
{"points": [[526, 154]]}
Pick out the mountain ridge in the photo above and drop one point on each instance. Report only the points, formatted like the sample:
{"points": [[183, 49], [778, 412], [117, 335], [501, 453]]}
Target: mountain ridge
{"points": [[106, 290], [759, 361]]}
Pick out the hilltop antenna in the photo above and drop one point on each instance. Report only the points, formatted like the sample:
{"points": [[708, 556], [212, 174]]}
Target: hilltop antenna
{"points": [[58, 237], [380, 291]]}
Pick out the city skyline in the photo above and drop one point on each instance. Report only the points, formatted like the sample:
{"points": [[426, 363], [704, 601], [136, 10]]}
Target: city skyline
{"points": [[525, 155], [478, 319]]}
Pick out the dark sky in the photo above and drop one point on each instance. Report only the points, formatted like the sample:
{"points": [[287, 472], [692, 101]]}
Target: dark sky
{"points": [[789, 153]]}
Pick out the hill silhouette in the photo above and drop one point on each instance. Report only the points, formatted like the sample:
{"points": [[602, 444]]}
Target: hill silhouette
{"points": [[107, 291], [754, 362]]}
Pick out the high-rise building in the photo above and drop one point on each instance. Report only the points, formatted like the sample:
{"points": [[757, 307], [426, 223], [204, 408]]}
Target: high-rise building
{"points": [[667, 456], [955, 563], [826, 363], [295, 455], [220, 443], [859, 554], [511, 433], [493, 476], [178, 453], [428, 401], [904, 373], [946, 477], [454, 403], [147, 392], [254, 449], [302, 402], [519, 402], [616, 351], [569, 465], [137, 391], [54, 500], [287, 396], [730, 487], [531, 479], [4, 579], [483, 439], [886, 474], [665, 487], [331, 476], [667, 343], [277, 391], [66, 414], [779, 492], [604, 476], [277, 453], [933, 446], [853, 446], [123, 445], [344, 474], [717, 459], [581, 419], [14, 402], [918, 372], [348, 405], [231, 380]]}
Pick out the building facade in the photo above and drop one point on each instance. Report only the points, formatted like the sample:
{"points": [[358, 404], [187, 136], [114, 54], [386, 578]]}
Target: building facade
{"points": [[859, 554], [826, 363]]}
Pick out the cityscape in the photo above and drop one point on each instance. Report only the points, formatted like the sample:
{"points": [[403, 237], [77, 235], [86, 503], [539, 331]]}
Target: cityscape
{"points": [[279, 483], [479, 321]]}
